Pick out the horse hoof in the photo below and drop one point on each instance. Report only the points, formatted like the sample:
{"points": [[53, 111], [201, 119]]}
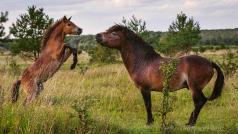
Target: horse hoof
{"points": [[190, 124], [72, 67], [150, 122]]}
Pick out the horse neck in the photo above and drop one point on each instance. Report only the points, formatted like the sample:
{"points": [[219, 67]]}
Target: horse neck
{"points": [[56, 40], [136, 55]]}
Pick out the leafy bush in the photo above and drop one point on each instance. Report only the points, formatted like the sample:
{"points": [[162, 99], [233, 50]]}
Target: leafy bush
{"points": [[202, 49], [182, 34], [82, 109], [103, 55], [83, 67], [229, 64], [168, 70], [97, 53], [13, 67]]}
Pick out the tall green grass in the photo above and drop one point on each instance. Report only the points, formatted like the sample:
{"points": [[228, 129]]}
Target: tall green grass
{"points": [[105, 100]]}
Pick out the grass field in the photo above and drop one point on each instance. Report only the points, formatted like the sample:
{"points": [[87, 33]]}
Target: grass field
{"points": [[105, 100]]}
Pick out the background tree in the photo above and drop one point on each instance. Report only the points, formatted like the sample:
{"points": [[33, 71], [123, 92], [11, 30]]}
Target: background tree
{"points": [[97, 53], [28, 29], [139, 27], [183, 33], [136, 25], [3, 19]]}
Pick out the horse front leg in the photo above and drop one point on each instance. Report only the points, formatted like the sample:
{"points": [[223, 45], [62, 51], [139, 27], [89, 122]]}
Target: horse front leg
{"points": [[75, 58], [67, 50], [146, 93]]}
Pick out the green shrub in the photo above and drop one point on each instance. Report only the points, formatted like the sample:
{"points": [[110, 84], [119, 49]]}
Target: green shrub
{"points": [[202, 49], [229, 64], [103, 55], [14, 68], [82, 108], [168, 70], [97, 53], [83, 67]]}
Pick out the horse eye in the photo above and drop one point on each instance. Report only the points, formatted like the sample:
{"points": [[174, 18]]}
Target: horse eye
{"points": [[69, 24], [114, 33]]}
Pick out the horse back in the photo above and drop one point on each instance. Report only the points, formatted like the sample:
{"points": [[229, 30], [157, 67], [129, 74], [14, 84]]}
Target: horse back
{"points": [[190, 70]]}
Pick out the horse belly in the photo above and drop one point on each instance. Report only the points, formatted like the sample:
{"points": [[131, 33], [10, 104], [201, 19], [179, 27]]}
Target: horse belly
{"points": [[148, 79], [156, 84], [179, 81]]}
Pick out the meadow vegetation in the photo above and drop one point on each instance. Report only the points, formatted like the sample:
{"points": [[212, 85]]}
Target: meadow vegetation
{"points": [[99, 97], [103, 99]]}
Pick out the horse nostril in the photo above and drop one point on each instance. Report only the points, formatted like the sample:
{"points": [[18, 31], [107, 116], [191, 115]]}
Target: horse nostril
{"points": [[80, 30], [98, 37]]}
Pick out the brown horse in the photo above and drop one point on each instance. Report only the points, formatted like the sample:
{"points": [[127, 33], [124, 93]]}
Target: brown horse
{"points": [[143, 65], [53, 54]]}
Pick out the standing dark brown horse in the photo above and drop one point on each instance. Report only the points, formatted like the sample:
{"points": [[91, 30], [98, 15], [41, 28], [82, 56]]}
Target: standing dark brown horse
{"points": [[53, 54], [143, 65]]}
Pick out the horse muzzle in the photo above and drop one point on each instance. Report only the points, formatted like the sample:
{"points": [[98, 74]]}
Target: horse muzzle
{"points": [[98, 38], [79, 31]]}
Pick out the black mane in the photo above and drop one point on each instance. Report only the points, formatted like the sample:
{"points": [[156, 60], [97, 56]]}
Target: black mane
{"points": [[133, 38], [130, 35]]}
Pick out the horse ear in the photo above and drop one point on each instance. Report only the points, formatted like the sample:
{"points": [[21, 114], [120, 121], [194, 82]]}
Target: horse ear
{"points": [[69, 18], [64, 18]]}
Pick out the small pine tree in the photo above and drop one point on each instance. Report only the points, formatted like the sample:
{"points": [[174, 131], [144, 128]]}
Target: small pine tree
{"points": [[3, 19], [183, 33], [139, 27], [28, 29], [136, 25]]}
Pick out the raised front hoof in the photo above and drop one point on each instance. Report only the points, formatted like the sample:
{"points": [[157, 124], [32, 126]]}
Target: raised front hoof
{"points": [[190, 124], [14, 100], [72, 67], [25, 104], [150, 122]]}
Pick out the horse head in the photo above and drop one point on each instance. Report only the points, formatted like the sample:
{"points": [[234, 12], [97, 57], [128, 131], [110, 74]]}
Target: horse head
{"points": [[69, 27]]}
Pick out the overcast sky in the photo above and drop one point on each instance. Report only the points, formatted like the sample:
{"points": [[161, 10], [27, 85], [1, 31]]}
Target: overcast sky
{"points": [[97, 15]]}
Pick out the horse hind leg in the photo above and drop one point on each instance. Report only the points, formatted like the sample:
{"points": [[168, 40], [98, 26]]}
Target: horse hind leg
{"points": [[199, 100], [33, 93], [29, 98]]}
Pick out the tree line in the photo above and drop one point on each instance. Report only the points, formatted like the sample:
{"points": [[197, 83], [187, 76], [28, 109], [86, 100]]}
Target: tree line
{"points": [[183, 33]]}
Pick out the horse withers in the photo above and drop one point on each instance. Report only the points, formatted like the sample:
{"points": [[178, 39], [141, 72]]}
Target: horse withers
{"points": [[143, 65], [53, 54]]}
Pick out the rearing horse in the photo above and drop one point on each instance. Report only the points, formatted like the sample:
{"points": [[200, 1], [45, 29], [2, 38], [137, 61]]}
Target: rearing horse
{"points": [[143, 65], [53, 54]]}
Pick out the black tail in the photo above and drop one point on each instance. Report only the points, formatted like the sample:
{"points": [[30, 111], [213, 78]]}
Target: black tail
{"points": [[218, 84], [15, 90]]}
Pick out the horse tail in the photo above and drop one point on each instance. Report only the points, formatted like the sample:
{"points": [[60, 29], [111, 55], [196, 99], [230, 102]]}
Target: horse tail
{"points": [[15, 90], [218, 84]]}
